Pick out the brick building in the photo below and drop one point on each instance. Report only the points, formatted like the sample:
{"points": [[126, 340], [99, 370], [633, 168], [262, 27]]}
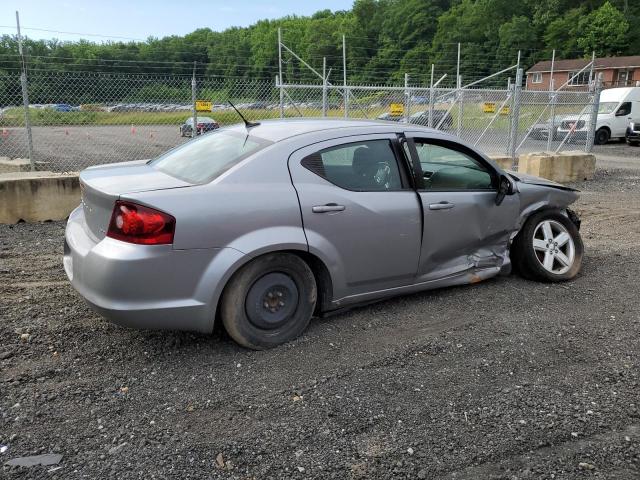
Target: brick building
{"points": [[617, 72]]}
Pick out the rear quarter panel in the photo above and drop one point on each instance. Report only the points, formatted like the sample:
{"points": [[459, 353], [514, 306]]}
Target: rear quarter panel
{"points": [[252, 208]]}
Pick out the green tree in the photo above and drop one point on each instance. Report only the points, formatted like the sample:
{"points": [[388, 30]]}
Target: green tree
{"points": [[604, 31]]}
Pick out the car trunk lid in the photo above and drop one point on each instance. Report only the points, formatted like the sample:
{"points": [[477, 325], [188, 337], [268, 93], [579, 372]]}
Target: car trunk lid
{"points": [[102, 186]]}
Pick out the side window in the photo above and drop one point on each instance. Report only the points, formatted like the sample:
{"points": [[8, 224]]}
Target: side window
{"points": [[368, 166], [625, 109], [447, 169]]}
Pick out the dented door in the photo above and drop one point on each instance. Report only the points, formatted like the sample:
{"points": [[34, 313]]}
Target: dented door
{"points": [[463, 230], [474, 233]]}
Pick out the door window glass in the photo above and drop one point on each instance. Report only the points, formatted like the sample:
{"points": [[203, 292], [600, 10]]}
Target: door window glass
{"points": [[447, 169], [361, 166], [625, 109]]}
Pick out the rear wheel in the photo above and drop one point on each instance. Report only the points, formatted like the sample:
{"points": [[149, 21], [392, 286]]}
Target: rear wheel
{"points": [[269, 301], [548, 248], [602, 136]]}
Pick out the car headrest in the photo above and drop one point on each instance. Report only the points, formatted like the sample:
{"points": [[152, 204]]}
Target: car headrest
{"points": [[363, 164]]}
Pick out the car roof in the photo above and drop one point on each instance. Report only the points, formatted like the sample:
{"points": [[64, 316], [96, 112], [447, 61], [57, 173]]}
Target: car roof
{"points": [[281, 129]]}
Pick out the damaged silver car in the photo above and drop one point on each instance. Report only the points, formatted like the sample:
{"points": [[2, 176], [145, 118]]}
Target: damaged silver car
{"points": [[263, 226]]}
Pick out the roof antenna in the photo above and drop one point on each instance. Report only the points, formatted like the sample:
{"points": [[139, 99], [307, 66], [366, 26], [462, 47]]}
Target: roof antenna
{"points": [[247, 123]]}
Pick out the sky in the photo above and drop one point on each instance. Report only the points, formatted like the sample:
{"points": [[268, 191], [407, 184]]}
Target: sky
{"points": [[138, 19]]}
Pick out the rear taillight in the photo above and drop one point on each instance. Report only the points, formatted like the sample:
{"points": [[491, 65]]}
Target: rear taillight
{"points": [[135, 223]]}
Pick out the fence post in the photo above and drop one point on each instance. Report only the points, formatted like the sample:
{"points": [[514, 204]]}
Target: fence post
{"points": [[27, 119], [431, 98], [460, 107], [25, 98], [344, 77], [194, 130], [324, 86], [407, 98], [515, 115], [593, 118], [280, 72]]}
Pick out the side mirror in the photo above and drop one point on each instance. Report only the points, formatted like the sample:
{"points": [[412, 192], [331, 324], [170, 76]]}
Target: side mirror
{"points": [[504, 188]]}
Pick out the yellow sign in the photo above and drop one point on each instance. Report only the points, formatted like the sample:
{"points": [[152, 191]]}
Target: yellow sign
{"points": [[489, 107], [203, 106], [396, 109]]}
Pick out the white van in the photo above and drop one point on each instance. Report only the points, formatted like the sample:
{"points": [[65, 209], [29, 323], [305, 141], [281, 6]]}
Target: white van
{"points": [[618, 108]]}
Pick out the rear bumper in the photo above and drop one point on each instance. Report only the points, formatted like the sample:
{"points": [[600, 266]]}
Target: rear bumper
{"points": [[147, 286]]}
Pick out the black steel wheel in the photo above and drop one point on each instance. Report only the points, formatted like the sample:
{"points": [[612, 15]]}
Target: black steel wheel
{"points": [[269, 301]]}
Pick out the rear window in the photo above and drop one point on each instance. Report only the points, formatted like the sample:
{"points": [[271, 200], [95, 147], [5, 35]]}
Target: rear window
{"points": [[203, 159]]}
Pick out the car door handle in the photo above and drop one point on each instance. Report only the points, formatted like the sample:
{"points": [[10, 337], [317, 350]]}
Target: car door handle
{"points": [[329, 207], [441, 206]]}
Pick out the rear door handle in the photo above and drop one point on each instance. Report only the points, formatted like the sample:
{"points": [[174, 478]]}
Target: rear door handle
{"points": [[329, 207], [441, 206]]}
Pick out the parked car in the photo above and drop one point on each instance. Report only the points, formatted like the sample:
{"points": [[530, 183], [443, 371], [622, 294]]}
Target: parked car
{"points": [[62, 107], [618, 107], [390, 118], [264, 227], [440, 118], [205, 124], [540, 131], [633, 134], [422, 118]]}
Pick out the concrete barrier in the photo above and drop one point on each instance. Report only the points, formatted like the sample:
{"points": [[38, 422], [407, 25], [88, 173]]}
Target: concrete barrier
{"points": [[37, 196], [505, 163], [10, 165], [560, 167]]}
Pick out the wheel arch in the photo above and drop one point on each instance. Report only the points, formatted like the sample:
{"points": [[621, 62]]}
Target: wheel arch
{"points": [[324, 282]]}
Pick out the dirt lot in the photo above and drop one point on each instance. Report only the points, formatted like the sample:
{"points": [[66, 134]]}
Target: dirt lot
{"points": [[508, 379]]}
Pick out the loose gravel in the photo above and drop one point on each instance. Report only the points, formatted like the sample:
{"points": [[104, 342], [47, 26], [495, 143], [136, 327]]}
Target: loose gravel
{"points": [[507, 379]]}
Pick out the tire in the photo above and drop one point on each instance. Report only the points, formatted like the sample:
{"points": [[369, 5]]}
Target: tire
{"points": [[632, 143], [254, 307], [602, 136], [546, 262]]}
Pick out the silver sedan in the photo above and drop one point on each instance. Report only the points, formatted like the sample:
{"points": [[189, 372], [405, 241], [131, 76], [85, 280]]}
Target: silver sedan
{"points": [[264, 226]]}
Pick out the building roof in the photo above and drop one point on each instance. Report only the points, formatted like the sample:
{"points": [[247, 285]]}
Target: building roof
{"points": [[579, 63]]}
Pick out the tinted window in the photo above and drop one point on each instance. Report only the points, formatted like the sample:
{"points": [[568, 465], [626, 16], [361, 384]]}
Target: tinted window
{"points": [[201, 160], [361, 166], [625, 109], [448, 169]]}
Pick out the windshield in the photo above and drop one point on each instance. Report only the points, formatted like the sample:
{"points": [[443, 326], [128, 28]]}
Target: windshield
{"points": [[202, 160], [607, 107]]}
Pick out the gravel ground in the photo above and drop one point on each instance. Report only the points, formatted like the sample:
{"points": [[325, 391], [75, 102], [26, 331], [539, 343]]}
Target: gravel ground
{"points": [[507, 379]]}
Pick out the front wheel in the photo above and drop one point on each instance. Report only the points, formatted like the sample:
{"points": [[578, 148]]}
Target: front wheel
{"points": [[548, 248], [602, 136], [269, 301]]}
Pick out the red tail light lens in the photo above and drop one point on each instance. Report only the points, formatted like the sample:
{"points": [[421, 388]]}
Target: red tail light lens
{"points": [[135, 223]]}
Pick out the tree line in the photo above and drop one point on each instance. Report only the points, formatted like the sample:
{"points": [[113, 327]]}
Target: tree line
{"points": [[385, 39]]}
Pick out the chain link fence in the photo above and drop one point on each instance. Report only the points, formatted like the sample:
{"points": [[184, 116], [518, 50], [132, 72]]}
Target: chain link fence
{"points": [[82, 119]]}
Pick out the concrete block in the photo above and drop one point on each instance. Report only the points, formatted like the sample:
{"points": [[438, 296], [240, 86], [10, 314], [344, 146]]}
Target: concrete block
{"points": [[37, 196], [505, 163], [561, 167], [8, 165]]}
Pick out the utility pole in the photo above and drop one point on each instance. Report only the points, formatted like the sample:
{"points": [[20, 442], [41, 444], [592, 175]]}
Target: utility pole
{"points": [[25, 96]]}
